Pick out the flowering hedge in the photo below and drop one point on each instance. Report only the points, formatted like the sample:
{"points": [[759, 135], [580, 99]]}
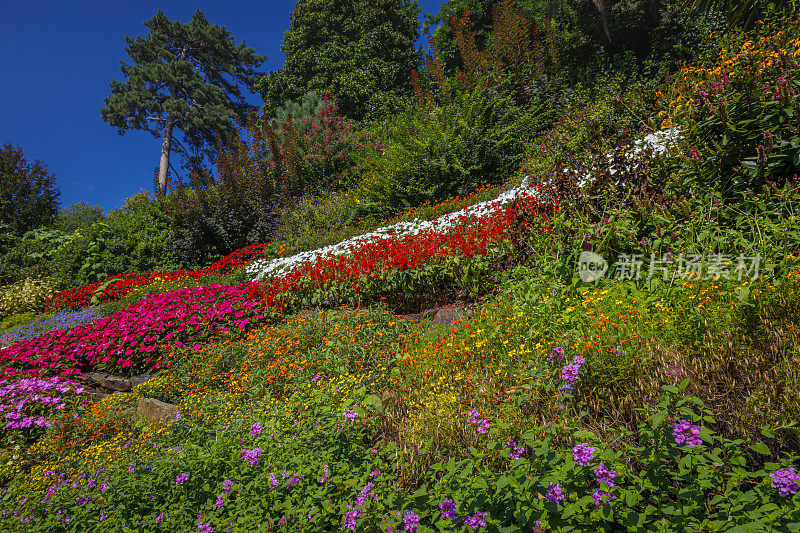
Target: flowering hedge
{"points": [[120, 285]]}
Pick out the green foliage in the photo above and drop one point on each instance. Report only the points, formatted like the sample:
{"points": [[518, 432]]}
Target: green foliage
{"points": [[31, 254], [207, 223], [437, 152], [78, 216], [317, 215], [28, 193], [361, 51], [132, 238], [185, 76]]}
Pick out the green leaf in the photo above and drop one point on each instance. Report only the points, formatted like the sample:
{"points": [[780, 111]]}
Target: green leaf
{"points": [[761, 448]]}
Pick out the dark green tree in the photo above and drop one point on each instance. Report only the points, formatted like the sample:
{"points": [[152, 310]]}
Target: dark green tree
{"points": [[28, 193], [184, 76], [362, 51]]}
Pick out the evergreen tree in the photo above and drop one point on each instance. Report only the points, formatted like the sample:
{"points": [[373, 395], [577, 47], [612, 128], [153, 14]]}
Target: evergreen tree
{"points": [[184, 76], [362, 51], [28, 193]]}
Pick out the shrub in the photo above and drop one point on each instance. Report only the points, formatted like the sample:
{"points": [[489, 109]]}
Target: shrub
{"points": [[437, 152], [134, 237], [739, 114], [31, 255], [28, 295]]}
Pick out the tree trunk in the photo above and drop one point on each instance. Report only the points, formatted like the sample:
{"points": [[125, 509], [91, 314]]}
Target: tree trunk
{"points": [[163, 167]]}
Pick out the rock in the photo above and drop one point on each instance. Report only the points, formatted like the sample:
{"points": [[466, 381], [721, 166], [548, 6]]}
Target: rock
{"points": [[141, 378], [107, 381], [156, 412], [448, 315]]}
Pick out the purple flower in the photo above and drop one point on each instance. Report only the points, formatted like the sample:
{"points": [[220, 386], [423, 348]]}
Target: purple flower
{"points": [[350, 415], [205, 527], [554, 493], [159, 518], [325, 474], [411, 521], [220, 503], [557, 352], [785, 481], [227, 485], [583, 454], [597, 495], [686, 433], [674, 372], [351, 517], [180, 478], [251, 456], [516, 450], [474, 417], [255, 429], [603, 473], [448, 508], [477, 521], [537, 527], [569, 374]]}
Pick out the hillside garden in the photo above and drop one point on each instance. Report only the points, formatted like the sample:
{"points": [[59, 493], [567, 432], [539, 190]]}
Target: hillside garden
{"points": [[626, 251]]}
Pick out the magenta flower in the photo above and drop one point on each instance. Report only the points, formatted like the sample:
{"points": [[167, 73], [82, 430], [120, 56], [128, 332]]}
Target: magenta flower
{"points": [[180, 478], [554, 493], [448, 508], [603, 473]]}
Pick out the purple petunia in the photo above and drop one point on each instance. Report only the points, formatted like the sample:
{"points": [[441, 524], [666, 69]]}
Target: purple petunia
{"points": [[180, 478], [785, 481], [583, 454], [686, 433], [448, 508]]}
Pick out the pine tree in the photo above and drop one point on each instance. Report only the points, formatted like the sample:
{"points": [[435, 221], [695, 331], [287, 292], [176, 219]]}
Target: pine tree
{"points": [[28, 193], [184, 76]]}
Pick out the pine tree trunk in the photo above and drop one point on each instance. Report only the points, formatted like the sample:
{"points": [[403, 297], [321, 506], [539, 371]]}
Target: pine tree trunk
{"points": [[163, 167]]}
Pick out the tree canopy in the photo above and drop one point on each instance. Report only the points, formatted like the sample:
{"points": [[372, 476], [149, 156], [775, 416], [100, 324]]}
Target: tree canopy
{"points": [[28, 193], [362, 51], [184, 76]]}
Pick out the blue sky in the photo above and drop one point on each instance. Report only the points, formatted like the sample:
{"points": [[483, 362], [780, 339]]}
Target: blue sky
{"points": [[58, 59]]}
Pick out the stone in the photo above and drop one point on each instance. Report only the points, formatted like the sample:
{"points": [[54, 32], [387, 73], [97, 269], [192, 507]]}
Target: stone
{"points": [[448, 315], [141, 378], [110, 382], [157, 412]]}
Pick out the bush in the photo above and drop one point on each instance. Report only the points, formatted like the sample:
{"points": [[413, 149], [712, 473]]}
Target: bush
{"points": [[25, 296], [30, 255], [437, 152], [134, 237], [739, 114]]}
